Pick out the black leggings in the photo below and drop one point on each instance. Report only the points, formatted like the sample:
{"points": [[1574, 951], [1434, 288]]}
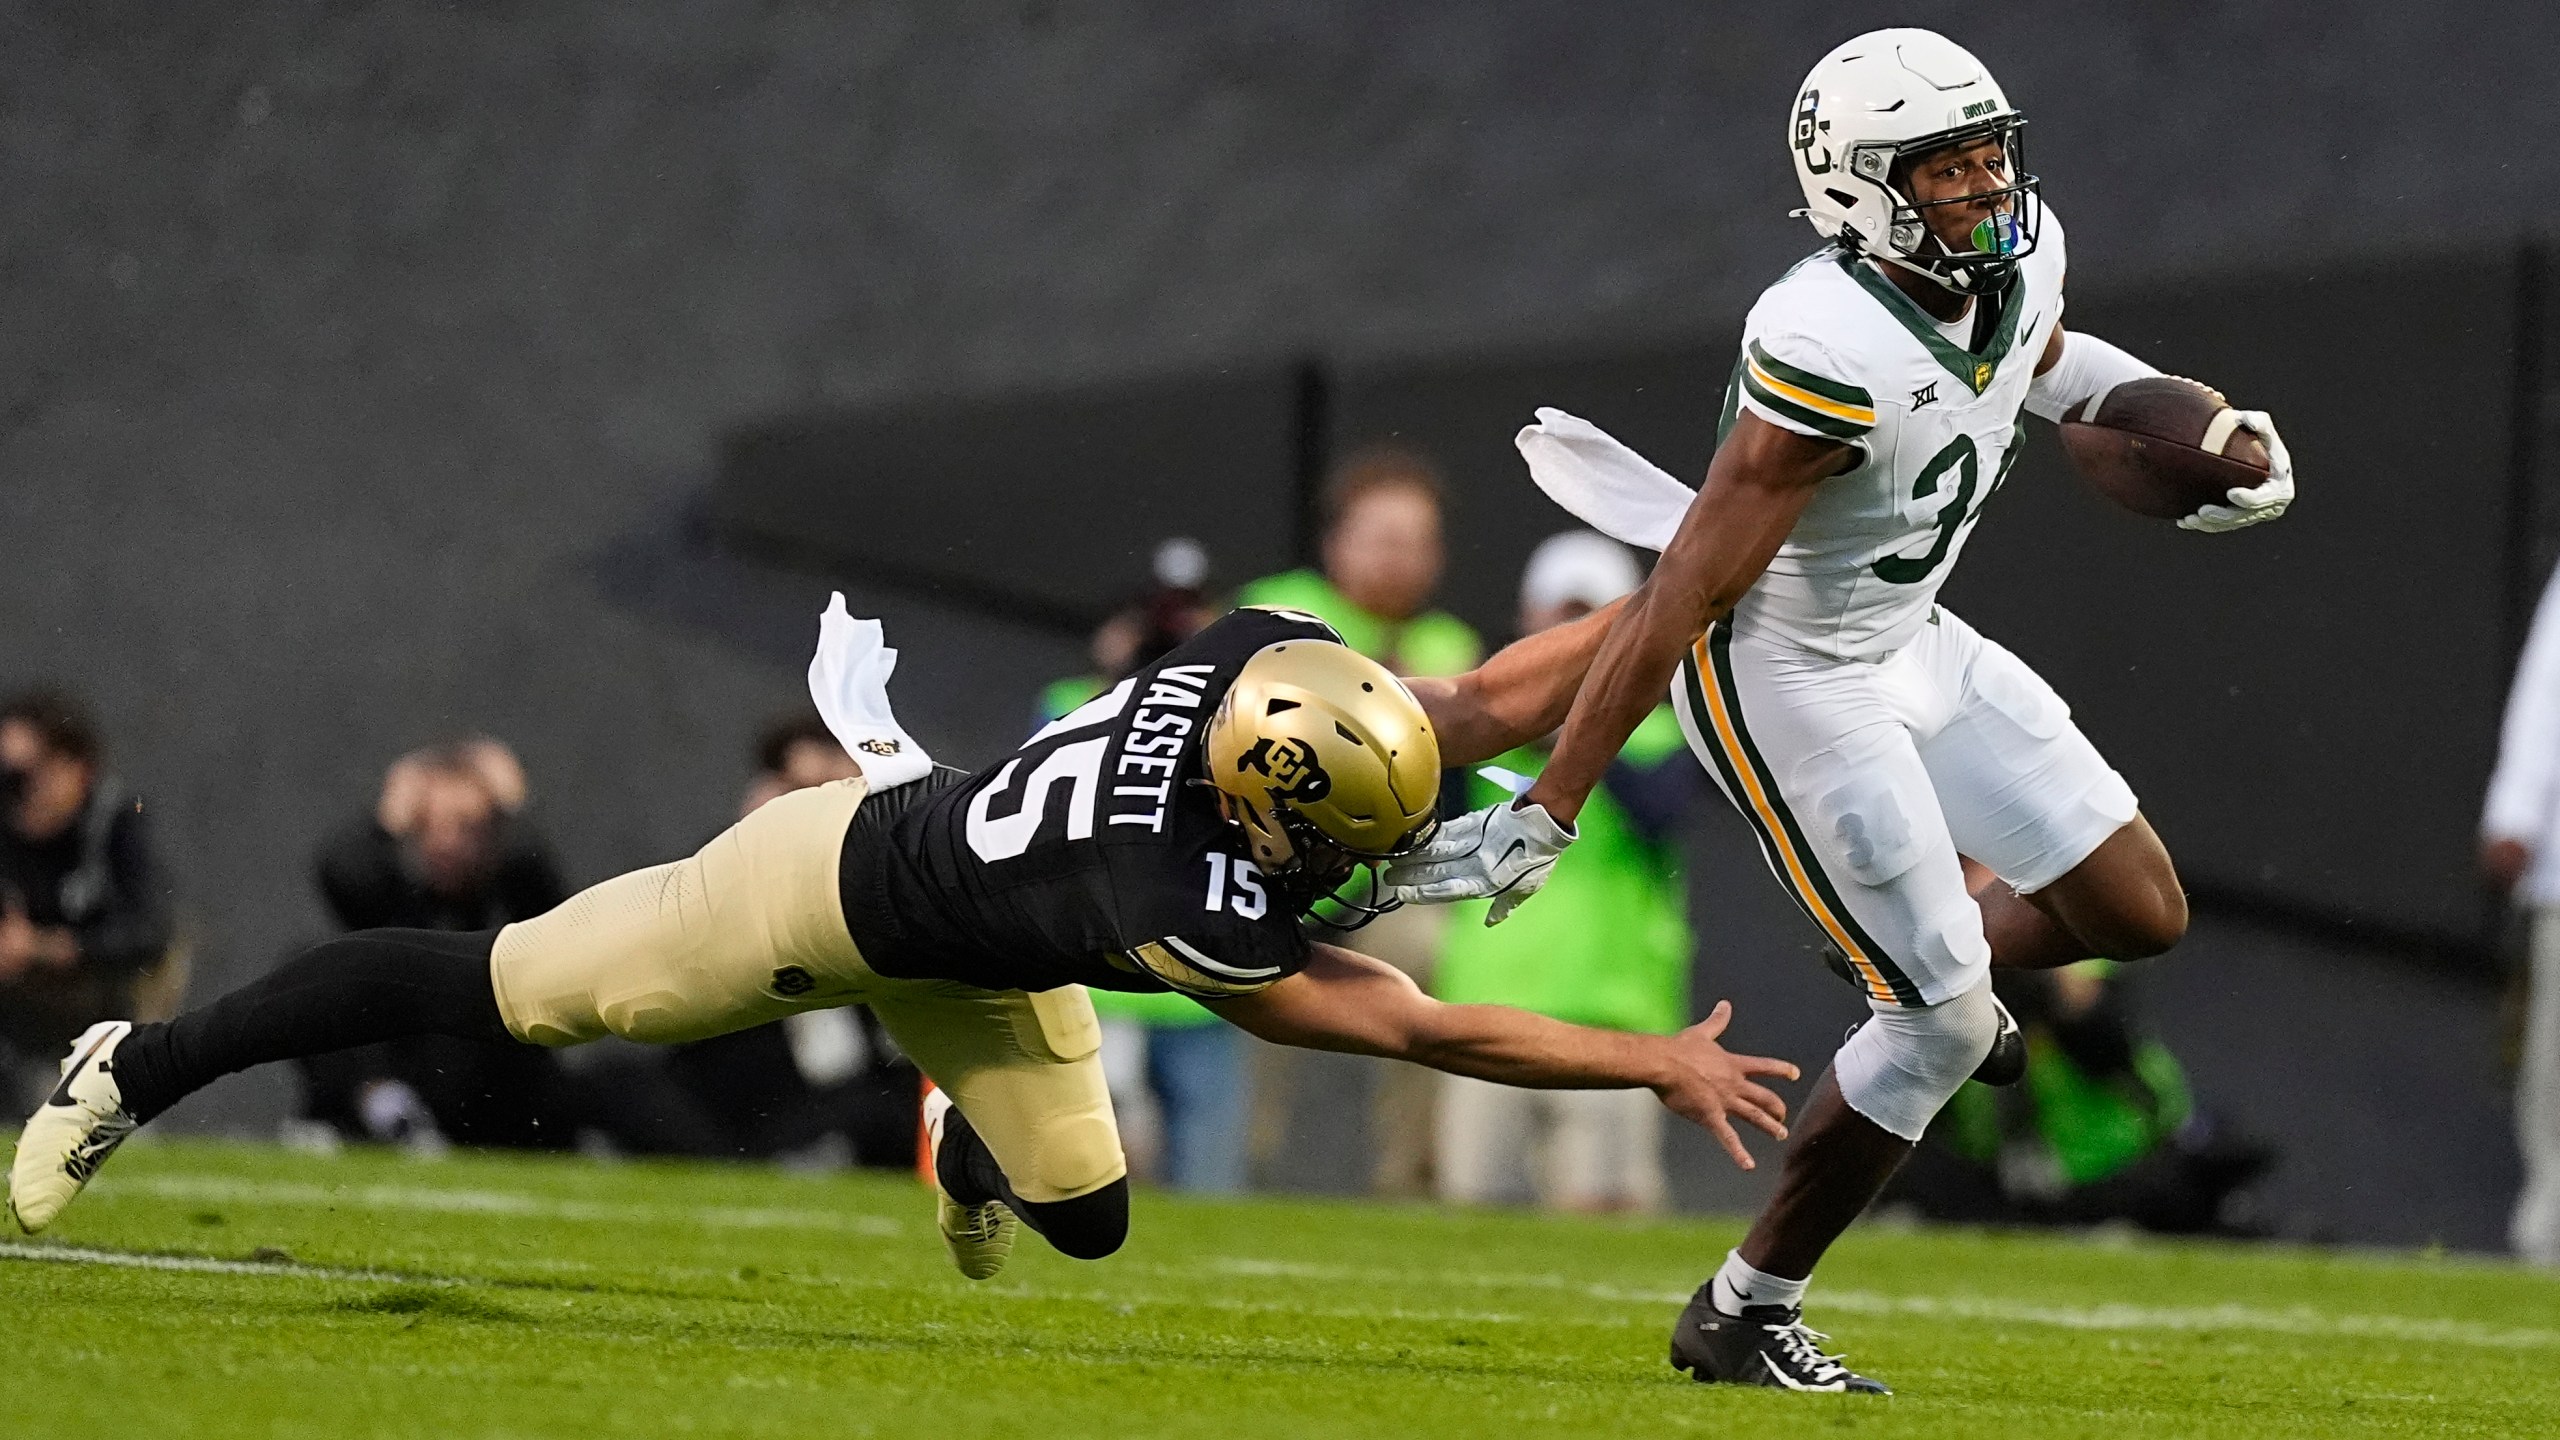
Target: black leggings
{"points": [[1087, 1227], [377, 985], [358, 989]]}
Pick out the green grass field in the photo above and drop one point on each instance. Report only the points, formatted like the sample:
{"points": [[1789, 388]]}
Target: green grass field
{"points": [[217, 1289]]}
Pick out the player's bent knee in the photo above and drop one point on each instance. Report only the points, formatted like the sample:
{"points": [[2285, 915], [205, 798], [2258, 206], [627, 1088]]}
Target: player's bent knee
{"points": [[2144, 929], [2169, 924], [1087, 1227], [1905, 1063], [2156, 931]]}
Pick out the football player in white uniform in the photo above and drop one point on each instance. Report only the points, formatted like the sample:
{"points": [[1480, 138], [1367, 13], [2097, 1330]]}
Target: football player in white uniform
{"points": [[1870, 737]]}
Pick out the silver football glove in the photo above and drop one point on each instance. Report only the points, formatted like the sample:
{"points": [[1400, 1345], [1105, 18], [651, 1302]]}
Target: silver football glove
{"points": [[1501, 853], [2261, 502]]}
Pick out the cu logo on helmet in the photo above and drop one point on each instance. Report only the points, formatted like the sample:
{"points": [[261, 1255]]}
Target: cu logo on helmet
{"points": [[1808, 130], [1292, 767]]}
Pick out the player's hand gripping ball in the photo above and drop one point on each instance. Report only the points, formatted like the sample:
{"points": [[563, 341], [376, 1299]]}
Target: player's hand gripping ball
{"points": [[2173, 449]]}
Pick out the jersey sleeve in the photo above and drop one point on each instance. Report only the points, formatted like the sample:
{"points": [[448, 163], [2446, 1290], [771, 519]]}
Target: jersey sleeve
{"points": [[1218, 962], [1796, 383]]}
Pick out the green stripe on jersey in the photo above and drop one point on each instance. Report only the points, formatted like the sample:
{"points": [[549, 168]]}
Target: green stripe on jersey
{"points": [[1823, 386], [1720, 654], [1831, 425]]}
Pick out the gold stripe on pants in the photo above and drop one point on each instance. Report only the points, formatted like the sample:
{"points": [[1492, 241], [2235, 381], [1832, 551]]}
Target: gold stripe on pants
{"points": [[751, 929]]}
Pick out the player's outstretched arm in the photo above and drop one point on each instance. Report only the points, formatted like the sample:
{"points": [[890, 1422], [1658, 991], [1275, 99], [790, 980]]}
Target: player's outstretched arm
{"points": [[1761, 479], [1520, 694], [1349, 1002]]}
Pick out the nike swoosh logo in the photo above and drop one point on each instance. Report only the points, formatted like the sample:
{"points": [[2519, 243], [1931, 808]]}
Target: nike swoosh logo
{"points": [[1516, 847], [62, 1093]]}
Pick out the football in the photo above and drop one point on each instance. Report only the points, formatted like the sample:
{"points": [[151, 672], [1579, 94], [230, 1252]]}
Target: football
{"points": [[2163, 446]]}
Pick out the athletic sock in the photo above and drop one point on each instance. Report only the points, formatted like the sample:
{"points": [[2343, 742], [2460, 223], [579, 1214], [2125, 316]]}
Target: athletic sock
{"points": [[1738, 1285], [357, 989], [965, 1166], [1087, 1227]]}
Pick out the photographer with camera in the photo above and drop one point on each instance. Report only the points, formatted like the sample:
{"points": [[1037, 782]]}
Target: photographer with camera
{"points": [[446, 846], [84, 902]]}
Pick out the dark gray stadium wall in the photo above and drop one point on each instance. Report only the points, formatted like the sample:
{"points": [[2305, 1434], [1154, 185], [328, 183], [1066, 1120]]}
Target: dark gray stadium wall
{"points": [[1040, 507], [358, 361]]}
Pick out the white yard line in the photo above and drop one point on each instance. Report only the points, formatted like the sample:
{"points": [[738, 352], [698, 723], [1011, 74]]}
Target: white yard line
{"points": [[205, 1264], [440, 1200], [2291, 1320], [286, 1269], [1128, 1301]]}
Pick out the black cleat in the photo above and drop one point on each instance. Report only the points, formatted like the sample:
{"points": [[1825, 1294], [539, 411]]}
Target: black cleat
{"points": [[1765, 1345], [2007, 1062]]}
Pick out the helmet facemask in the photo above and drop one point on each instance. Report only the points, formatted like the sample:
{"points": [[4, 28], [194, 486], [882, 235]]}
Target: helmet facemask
{"points": [[1326, 870], [1310, 866], [1999, 240]]}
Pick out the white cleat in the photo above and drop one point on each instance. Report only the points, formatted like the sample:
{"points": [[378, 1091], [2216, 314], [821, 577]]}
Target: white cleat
{"points": [[978, 1237], [73, 1132]]}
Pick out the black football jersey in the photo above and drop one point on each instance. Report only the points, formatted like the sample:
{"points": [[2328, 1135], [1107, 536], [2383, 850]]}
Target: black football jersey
{"points": [[1094, 855]]}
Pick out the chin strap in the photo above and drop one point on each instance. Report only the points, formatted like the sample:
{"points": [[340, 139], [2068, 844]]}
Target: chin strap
{"points": [[1907, 264]]}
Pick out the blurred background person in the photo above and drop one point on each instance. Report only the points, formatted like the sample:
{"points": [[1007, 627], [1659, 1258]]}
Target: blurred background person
{"points": [[1173, 609], [446, 846], [1179, 1078], [1382, 559], [794, 752], [818, 1090], [2520, 852], [1614, 953], [86, 929]]}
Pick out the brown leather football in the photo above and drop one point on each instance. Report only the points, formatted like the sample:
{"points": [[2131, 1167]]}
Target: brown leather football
{"points": [[2163, 446]]}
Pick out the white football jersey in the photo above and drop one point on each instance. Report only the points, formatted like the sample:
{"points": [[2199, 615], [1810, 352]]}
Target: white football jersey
{"points": [[1835, 350]]}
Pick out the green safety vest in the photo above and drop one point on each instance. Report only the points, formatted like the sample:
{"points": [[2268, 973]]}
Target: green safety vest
{"points": [[2092, 1129], [1606, 942], [1434, 642]]}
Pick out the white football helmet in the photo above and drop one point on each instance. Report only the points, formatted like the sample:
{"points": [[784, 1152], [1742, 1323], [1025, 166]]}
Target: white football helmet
{"points": [[1882, 98]]}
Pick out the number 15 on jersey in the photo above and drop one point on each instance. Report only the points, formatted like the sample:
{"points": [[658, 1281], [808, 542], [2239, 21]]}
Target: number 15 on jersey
{"points": [[1235, 883]]}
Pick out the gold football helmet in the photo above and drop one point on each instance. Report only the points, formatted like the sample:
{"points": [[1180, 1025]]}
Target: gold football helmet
{"points": [[1317, 747]]}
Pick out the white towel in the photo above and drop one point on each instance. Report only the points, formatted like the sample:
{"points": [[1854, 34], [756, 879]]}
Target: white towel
{"points": [[1607, 486], [849, 678]]}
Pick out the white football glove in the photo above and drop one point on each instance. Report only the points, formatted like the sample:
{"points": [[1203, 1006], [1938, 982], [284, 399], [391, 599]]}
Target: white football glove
{"points": [[1502, 853], [2261, 502]]}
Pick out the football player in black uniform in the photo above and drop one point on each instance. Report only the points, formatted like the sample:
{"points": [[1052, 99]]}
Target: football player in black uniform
{"points": [[1165, 836]]}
